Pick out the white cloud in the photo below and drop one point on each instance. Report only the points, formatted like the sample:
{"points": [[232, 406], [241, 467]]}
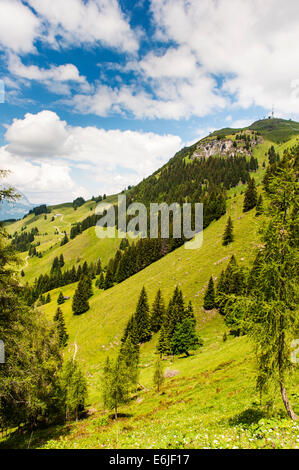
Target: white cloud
{"points": [[172, 98], [251, 43], [59, 79], [19, 27], [42, 181], [41, 144], [65, 23], [75, 22]]}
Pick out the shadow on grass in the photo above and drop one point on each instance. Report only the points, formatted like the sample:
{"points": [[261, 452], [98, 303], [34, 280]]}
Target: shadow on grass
{"points": [[247, 417], [27, 439], [121, 415]]}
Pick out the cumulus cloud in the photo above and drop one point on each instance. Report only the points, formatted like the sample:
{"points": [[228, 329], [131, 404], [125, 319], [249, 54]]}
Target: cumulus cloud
{"points": [[64, 24], [75, 22], [19, 27], [250, 43], [59, 79], [42, 145]]}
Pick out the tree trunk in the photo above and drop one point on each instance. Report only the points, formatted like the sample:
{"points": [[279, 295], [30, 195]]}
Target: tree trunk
{"points": [[286, 403], [115, 412]]}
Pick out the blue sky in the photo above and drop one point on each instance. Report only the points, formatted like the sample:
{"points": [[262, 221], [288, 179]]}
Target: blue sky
{"points": [[100, 93]]}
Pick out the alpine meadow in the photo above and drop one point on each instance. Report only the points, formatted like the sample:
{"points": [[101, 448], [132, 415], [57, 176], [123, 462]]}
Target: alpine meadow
{"points": [[122, 124]]}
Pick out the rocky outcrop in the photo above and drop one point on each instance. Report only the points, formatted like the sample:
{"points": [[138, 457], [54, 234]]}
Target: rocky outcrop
{"points": [[223, 148]]}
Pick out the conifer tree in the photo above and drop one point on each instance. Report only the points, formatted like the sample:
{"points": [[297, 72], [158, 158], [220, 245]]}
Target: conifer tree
{"points": [[163, 346], [80, 300], [158, 374], [65, 240], [268, 311], [157, 313], [48, 299], [61, 261], [73, 384], [62, 333], [185, 338], [228, 233], [259, 206], [22, 273], [108, 279], [100, 281], [189, 313], [209, 298], [250, 197], [129, 356], [142, 318], [115, 385], [87, 286], [60, 299]]}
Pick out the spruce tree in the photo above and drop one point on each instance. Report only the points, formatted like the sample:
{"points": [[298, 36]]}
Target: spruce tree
{"points": [[228, 233], [250, 197], [115, 385], [259, 206], [80, 300], [108, 279], [62, 333], [185, 338], [268, 311], [157, 313], [158, 374], [142, 318], [209, 298], [48, 299], [100, 281], [73, 384], [60, 299], [129, 356]]}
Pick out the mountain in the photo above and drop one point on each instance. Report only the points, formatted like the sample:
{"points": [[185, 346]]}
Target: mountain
{"points": [[15, 210], [209, 399]]}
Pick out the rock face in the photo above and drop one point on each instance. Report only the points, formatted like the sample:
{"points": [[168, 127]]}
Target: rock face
{"points": [[223, 148], [213, 147]]}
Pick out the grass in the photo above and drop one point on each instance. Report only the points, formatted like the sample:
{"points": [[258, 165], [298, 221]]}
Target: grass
{"points": [[210, 401]]}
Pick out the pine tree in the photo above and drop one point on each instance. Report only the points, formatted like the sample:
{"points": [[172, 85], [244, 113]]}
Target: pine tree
{"points": [[189, 313], [185, 338], [209, 298], [65, 240], [22, 273], [163, 346], [61, 261], [268, 311], [60, 299], [108, 279], [115, 385], [259, 206], [129, 356], [100, 281], [157, 313], [73, 384], [142, 318], [250, 198], [87, 285], [48, 299], [228, 233], [80, 300], [158, 374], [62, 333]]}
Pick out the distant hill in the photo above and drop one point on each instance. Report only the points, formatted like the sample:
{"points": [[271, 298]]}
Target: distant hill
{"points": [[15, 210], [276, 130]]}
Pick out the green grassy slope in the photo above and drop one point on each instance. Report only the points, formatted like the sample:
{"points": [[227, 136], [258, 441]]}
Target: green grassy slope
{"points": [[85, 247], [99, 330], [208, 400]]}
